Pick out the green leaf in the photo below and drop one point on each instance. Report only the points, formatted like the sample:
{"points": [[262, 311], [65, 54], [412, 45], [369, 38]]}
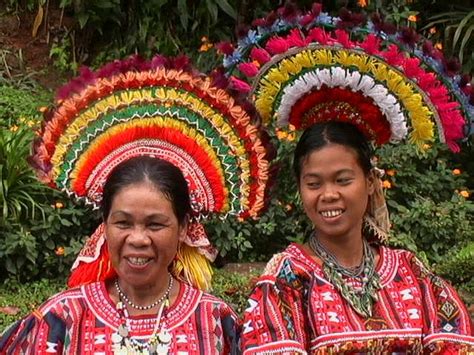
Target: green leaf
{"points": [[460, 28], [82, 18], [184, 15]]}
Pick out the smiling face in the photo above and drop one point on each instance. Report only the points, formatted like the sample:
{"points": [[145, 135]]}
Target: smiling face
{"points": [[142, 233], [334, 191]]}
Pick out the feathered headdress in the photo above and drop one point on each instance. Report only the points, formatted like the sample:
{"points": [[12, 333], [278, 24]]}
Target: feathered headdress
{"points": [[164, 109], [303, 68]]}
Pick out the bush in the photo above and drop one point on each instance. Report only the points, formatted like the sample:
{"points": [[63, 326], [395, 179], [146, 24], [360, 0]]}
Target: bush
{"points": [[41, 230]]}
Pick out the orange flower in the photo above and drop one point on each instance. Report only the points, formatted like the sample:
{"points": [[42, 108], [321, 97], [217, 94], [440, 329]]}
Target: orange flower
{"points": [[59, 251], [426, 146], [386, 184], [291, 127], [412, 18], [281, 135], [256, 63], [438, 45], [391, 172], [456, 172], [464, 194], [291, 136], [362, 3], [59, 204], [43, 109], [205, 47], [14, 128]]}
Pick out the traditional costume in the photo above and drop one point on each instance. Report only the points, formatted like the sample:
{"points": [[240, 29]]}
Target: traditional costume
{"points": [[160, 108], [305, 68]]}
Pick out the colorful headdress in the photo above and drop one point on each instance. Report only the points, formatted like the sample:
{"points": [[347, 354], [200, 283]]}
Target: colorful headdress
{"points": [[303, 68], [159, 108]]}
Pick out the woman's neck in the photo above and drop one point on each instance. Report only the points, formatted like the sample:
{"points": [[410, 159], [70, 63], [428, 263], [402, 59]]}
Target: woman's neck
{"points": [[348, 251]]}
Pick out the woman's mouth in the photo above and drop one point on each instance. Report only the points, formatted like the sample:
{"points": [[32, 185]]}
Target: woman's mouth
{"points": [[331, 213], [136, 261]]}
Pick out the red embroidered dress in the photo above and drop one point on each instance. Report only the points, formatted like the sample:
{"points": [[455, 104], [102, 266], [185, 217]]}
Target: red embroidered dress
{"points": [[82, 321], [294, 309]]}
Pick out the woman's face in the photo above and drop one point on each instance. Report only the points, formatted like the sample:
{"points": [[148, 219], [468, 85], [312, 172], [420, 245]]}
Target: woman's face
{"points": [[142, 234], [335, 191]]}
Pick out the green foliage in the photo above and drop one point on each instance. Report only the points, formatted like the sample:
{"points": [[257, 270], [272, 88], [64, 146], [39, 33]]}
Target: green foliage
{"points": [[457, 29], [62, 54], [35, 225], [234, 288], [428, 213], [458, 266], [19, 189]]}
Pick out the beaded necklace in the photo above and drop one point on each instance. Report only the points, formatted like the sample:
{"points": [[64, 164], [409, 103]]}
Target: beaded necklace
{"points": [[124, 297], [160, 339], [361, 299]]}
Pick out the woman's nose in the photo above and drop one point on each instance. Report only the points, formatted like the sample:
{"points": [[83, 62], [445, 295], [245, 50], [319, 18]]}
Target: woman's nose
{"points": [[330, 192], [138, 237]]}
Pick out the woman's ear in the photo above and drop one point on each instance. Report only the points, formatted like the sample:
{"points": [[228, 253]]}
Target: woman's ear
{"points": [[183, 230], [372, 179]]}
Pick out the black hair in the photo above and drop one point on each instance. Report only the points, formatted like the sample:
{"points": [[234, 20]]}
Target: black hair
{"points": [[322, 134], [166, 177]]}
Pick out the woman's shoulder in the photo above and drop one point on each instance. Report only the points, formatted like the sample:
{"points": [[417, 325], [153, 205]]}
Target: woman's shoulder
{"points": [[62, 299], [294, 258]]}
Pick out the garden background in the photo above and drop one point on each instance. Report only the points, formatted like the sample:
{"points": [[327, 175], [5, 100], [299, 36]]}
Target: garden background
{"points": [[44, 42]]}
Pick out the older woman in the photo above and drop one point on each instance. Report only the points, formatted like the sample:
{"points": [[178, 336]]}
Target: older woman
{"points": [[156, 147], [349, 84]]}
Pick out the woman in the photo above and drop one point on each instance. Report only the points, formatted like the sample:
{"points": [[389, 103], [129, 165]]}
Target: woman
{"points": [[144, 309], [343, 291], [157, 147], [339, 292]]}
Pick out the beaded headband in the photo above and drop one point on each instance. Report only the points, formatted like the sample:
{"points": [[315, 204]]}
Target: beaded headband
{"points": [[132, 108], [303, 68]]}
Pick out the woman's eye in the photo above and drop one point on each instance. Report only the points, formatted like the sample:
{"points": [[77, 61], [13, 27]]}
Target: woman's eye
{"points": [[313, 185], [343, 181], [122, 224], [155, 226]]}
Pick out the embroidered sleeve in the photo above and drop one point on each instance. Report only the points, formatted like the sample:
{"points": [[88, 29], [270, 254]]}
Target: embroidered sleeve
{"points": [[230, 329], [448, 328], [275, 320], [35, 333]]}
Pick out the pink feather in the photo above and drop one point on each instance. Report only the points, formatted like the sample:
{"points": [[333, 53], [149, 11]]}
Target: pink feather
{"points": [[371, 44], [260, 55], [343, 38], [248, 69], [277, 45], [240, 85], [295, 38], [317, 35]]}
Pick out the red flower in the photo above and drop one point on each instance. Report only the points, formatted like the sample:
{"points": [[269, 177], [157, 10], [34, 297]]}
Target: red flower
{"points": [[277, 45], [260, 55], [248, 69], [225, 47]]}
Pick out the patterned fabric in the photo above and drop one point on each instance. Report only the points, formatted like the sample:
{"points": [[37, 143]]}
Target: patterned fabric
{"points": [[294, 309], [82, 321]]}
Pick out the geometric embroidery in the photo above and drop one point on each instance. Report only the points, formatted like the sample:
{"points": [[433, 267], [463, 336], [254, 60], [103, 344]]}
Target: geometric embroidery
{"points": [[448, 309], [283, 318]]}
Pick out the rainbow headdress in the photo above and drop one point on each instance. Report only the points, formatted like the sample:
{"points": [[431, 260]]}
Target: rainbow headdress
{"points": [[160, 108], [303, 68]]}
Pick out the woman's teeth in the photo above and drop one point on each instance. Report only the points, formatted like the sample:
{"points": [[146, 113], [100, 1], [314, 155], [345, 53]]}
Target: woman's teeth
{"points": [[334, 213], [139, 261]]}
